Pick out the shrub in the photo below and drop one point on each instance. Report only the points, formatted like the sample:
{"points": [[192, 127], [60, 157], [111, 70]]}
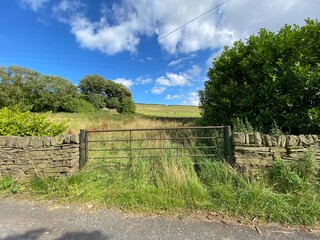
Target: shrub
{"points": [[283, 178], [306, 167], [14, 122], [77, 105], [126, 106]]}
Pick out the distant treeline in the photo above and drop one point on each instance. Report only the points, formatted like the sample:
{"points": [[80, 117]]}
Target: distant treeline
{"points": [[33, 91]]}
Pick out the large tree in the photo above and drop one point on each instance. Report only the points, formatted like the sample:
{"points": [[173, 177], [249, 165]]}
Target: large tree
{"points": [[270, 78], [106, 93], [31, 90]]}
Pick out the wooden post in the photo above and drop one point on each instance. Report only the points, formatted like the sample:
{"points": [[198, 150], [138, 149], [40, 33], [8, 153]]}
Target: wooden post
{"points": [[82, 155], [228, 144]]}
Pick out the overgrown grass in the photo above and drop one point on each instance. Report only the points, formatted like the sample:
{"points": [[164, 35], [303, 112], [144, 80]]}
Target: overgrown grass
{"points": [[285, 193]]}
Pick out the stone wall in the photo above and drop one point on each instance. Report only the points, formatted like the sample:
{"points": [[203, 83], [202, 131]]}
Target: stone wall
{"points": [[252, 150], [50, 156]]}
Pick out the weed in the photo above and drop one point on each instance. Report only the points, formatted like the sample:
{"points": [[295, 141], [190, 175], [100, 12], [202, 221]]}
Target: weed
{"points": [[8, 185]]}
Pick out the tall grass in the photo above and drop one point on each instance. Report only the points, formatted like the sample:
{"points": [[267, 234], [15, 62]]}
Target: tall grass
{"points": [[285, 194]]}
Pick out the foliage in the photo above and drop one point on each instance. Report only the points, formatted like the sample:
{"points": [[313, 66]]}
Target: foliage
{"points": [[14, 122], [283, 178], [106, 93], [271, 77], [126, 105], [39, 93], [8, 185], [294, 178], [78, 105], [242, 126]]}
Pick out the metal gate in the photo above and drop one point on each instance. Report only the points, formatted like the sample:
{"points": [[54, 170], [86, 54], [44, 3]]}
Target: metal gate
{"points": [[125, 146]]}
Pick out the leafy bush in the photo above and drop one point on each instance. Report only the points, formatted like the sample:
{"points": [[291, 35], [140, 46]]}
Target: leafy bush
{"points": [[77, 105], [306, 167], [126, 106], [274, 77], [14, 122], [242, 126], [283, 178]]}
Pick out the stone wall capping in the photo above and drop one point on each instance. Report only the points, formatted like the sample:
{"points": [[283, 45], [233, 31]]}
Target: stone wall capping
{"points": [[25, 156], [256, 149]]}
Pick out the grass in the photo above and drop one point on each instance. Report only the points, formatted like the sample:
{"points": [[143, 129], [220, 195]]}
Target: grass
{"points": [[156, 110], [285, 194]]}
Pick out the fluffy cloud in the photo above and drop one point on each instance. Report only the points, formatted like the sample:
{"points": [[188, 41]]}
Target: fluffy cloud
{"points": [[126, 82], [122, 24], [173, 80], [176, 96], [194, 71], [34, 5], [158, 90], [192, 99]]}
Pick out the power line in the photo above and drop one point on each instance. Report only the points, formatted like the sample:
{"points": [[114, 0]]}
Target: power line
{"points": [[164, 36]]}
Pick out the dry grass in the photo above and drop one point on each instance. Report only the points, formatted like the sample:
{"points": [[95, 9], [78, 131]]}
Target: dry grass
{"points": [[168, 111], [108, 120]]}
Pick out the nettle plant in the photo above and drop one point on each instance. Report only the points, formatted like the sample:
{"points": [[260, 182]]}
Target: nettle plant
{"points": [[14, 122]]}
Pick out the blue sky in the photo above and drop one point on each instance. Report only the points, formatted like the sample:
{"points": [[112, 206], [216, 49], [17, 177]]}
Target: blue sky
{"points": [[126, 40]]}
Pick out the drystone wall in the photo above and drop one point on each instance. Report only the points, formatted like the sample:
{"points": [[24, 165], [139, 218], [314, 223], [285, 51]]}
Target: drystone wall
{"points": [[49, 156], [257, 150]]}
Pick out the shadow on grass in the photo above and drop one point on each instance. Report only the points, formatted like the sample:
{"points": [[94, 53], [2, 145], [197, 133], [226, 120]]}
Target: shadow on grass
{"points": [[39, 233]]}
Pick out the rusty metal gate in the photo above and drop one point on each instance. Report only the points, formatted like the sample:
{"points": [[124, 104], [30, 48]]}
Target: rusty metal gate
{"points": [[125, 146]]}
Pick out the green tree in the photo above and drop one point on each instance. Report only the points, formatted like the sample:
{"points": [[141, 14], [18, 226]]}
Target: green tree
{"points": [[106, 93], [272, 77], [12, 86], [32, 91]]}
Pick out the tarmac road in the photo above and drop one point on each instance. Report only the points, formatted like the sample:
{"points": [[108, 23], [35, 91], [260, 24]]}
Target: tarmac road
{"points": [[30, 220]]}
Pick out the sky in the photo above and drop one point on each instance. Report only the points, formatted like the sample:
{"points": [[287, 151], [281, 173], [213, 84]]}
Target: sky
{"points": [[160, 49]]}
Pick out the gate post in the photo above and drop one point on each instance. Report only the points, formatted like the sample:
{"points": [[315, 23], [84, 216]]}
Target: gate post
{"points": [[228, 153], [82, 155]]}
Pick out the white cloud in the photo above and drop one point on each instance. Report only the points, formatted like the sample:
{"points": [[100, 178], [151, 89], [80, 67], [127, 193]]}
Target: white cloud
{"points": [[173, 80], [176, 96], [34, 5], [143, 80], [158, 89], [192, 99], [175, 62], [126, 82], [121, 26], [214, 55], [194, 71], [180, 62]]}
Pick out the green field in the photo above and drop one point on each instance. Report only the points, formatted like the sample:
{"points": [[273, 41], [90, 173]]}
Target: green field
{"points": [[168, 111]]}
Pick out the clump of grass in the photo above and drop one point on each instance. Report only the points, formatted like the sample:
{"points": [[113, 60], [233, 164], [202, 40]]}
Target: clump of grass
{"points": [[173, 185], [8, 185], [238, 195], [146, 185]]}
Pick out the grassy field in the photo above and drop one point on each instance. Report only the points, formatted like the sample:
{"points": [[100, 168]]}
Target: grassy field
{"points": [[168, 111], [286, 194]]}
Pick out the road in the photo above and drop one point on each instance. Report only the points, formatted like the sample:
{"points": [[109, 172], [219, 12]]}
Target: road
{"points": [[31, 220]]}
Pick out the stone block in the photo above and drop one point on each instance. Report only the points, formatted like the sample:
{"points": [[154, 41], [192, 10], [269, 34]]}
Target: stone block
{"points": [[3, 140], [267, 140], [281, 140], [257, 138], [303, 140], [247, 138], [239, 138], [74, 138], [274, 141], [292, 140], [251, 138]]}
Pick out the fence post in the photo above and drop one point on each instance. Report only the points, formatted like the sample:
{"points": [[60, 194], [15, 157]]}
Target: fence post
{"points": [[82, 155], [228, 144]]}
